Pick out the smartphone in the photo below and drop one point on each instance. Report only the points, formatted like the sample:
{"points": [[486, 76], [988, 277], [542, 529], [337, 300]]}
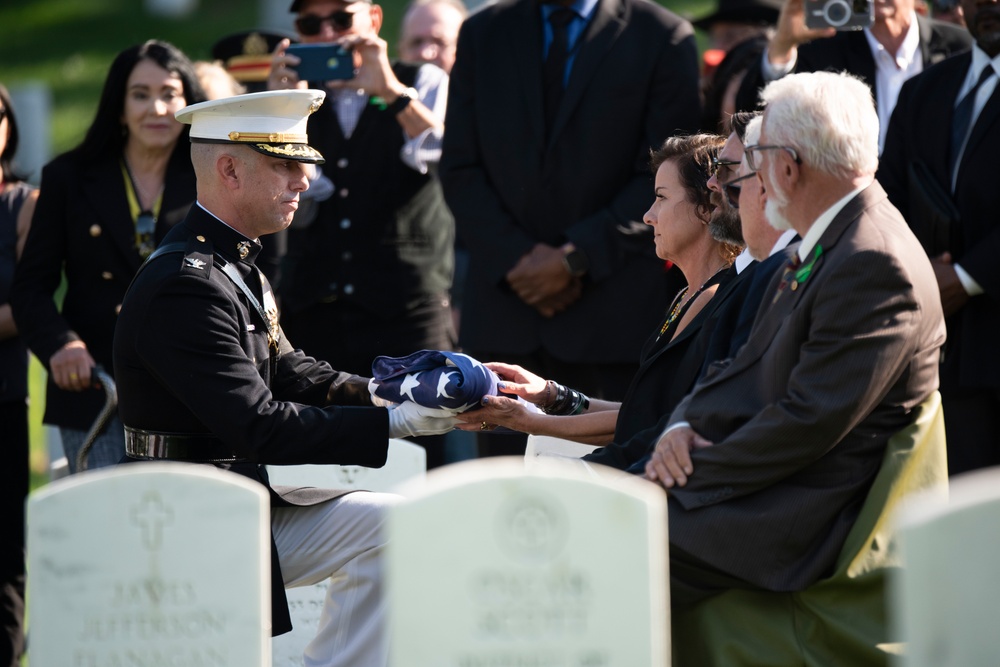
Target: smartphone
{"points": [[839, 14], [322, 62]]}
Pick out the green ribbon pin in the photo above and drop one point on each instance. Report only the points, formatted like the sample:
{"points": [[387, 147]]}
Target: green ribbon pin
{"points": [[804, 271]]}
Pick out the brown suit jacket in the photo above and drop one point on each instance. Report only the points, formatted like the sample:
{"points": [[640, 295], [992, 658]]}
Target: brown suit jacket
{"points": [[800, 416]]}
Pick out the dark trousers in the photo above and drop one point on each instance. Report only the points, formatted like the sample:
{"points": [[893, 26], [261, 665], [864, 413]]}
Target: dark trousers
{"points": [[693, 581], [607, 381], [349, 338], [971, 420], [13, 490], [972, 429]]}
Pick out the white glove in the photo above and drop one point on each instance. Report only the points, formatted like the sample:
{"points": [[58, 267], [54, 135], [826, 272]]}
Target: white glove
{"points": [[378, 401], [410, 419]]}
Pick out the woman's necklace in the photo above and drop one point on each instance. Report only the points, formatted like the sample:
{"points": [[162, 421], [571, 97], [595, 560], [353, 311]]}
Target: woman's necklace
{"points": [[677, 306], [675, 309]]}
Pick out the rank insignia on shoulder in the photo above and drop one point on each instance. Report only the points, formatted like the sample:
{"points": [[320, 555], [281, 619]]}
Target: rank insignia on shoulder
{"points": [[194, 262]]}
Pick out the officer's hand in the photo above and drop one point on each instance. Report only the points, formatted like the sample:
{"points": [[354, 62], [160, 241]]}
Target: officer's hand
{"points": [[378, 401], [70, 366], [410, 419]]}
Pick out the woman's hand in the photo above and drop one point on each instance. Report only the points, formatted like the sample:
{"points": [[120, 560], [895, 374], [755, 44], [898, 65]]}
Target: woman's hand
{"points": [[496, 411], [70, 366], [519, 382]]}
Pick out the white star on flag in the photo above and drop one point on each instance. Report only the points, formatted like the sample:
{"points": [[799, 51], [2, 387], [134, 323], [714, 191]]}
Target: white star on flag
{"points": [[409, 384]]}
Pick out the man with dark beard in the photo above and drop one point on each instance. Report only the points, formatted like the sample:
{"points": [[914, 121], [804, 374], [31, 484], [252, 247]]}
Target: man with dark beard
{"points": [[776, 448], [729, 325], [960, 94]]}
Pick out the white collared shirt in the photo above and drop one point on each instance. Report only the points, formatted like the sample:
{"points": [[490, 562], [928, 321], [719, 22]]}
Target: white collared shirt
{"points": [[783, 241], [815, 232], [743, 260], [891, 72]]}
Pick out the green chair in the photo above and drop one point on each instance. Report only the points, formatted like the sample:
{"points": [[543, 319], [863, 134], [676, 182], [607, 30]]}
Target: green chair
{"points": [[840, 620]]}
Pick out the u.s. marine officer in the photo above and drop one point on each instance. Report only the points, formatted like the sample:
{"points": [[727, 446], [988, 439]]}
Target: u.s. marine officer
{"points": [[206, 375]]}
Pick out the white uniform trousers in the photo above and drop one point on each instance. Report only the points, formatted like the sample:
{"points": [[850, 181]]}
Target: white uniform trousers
{"points": [[341, 540]]}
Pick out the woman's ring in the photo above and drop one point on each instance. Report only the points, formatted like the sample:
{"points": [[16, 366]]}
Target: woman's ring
{"points": [[74, 376], [484, 427]]}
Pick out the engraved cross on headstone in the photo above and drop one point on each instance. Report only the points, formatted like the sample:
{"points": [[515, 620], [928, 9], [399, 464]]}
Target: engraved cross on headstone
{"points": [[151, 515]]}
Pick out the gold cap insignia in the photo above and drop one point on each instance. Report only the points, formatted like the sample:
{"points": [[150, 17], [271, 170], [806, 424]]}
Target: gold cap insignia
{"points": [[255, 44]]}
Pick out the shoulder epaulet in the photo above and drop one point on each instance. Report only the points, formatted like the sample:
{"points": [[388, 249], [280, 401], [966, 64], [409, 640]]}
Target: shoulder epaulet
{"points": [[197, 257]]}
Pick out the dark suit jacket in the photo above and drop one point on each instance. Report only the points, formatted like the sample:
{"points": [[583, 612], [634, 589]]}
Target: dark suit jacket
{"points": [[213, 374], [919, 131], [667, 371], [82, 224], [800, 416], [633, 84], [848, 51]]}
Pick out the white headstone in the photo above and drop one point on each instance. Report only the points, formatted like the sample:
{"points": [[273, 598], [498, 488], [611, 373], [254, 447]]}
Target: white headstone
{"points": [[406, 462], [546, 445], [944, 600], [149, 564], [550, 566]]}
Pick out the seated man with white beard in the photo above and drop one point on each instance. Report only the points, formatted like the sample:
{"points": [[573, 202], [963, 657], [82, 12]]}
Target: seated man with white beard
{"points": [[770, 457]]}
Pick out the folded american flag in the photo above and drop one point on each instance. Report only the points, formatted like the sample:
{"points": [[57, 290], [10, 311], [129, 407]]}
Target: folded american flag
{"points": [[434, 379]]}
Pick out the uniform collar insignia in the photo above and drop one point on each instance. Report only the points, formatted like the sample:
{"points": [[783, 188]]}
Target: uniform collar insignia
{"points": [[243, 247]]}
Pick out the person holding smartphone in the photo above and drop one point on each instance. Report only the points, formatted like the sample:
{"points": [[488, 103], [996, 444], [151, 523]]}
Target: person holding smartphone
{"points": [[898, 45], [371, 275]]}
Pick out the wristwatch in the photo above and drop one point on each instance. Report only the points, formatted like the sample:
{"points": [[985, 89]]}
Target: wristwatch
{"points": [[574, 260], [406, 96]]}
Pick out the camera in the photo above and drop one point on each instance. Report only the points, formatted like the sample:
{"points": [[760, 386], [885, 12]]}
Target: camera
{"points": [[839, 14]]}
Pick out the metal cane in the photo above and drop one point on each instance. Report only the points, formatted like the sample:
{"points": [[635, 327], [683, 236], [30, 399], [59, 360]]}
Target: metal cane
{"points": [[110, 405]]}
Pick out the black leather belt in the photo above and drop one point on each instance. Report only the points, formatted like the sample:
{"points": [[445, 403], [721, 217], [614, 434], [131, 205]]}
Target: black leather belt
{"points": [[192, 447]]}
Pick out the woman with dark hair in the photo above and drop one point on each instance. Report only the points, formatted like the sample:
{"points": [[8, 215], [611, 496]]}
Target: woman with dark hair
{"points": [[103, 208], [17, 203], [669, 364]]}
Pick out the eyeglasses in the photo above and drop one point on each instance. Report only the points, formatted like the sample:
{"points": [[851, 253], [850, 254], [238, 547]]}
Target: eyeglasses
{"points": [[733, 191], [753, 159], [145, 225], [3, 114], [311, 24], [713, 169]]}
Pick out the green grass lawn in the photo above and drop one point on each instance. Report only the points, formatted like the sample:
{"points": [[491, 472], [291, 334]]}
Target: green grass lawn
{"points": [[68, 45]]}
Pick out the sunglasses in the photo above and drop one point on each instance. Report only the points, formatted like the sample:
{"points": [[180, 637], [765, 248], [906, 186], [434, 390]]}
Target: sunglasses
{"points": [[145, 225], [713, 169], [733, 191], [311, 24]]}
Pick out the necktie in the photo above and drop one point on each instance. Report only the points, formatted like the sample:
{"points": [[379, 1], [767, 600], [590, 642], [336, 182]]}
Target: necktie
{"points": [[963, 119], [555, 63]]}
